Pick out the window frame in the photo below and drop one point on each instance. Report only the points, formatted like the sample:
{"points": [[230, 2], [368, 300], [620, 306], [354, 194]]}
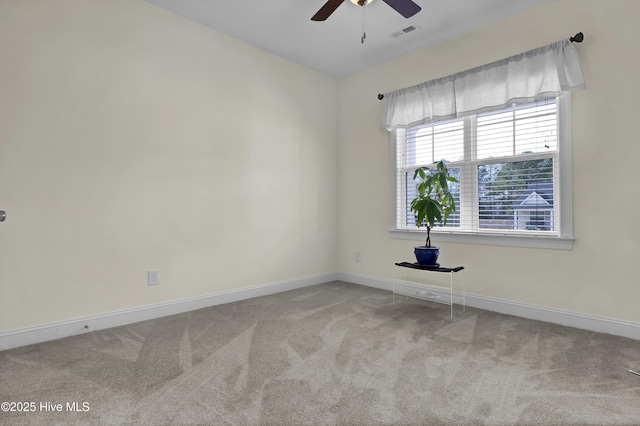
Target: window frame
{"points": [[562, 241]]}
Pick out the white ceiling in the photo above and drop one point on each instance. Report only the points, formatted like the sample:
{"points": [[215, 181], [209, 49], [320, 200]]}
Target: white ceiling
{"points": [[334, 47]]}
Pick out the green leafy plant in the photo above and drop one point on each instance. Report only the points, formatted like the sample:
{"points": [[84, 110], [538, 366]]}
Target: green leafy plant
{"points": [[434, 201]]}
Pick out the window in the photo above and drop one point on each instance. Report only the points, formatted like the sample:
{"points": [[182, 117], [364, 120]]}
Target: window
{"points": [[512, 166], [511, 148]]}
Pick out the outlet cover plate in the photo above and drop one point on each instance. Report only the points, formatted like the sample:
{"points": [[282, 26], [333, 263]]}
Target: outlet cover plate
{"points": [[152, 277]]}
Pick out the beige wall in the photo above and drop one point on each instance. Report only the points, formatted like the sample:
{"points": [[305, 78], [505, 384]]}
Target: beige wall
{"points": [[132, 139], [600, 275]]}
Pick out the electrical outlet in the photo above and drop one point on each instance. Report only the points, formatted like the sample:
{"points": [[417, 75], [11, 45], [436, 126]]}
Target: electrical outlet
{"points": [[152, 277], [358, 256]]}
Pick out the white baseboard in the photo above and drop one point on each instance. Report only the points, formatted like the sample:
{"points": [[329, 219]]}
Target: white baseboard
{"points": [[43, 333], [540, 313]]}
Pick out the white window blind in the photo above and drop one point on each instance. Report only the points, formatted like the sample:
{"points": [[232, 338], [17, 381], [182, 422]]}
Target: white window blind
{"points": [[507, 164]]}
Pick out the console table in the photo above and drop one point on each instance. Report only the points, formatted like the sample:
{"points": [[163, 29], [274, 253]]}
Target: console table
{"points": [[434, 283]]}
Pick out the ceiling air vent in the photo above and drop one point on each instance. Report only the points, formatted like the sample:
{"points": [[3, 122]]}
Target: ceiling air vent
{"points": [[404, 31]]}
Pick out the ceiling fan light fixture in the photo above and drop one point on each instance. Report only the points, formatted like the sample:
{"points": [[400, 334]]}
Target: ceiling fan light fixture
{"points": [[361, 2]]}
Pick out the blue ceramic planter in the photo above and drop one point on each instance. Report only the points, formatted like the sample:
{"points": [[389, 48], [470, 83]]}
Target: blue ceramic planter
{"points": [[426, 255]]}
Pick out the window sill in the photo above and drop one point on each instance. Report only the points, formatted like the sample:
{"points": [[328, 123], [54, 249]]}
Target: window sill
{"points": [[531, 241]]}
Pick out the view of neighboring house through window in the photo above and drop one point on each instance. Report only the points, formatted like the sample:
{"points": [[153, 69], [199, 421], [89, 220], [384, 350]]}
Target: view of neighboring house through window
{"points": [[507, 164]]}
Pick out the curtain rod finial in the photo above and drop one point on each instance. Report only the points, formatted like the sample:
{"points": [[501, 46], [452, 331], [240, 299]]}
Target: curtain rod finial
{"points": [[577, 38], [380, 96]]}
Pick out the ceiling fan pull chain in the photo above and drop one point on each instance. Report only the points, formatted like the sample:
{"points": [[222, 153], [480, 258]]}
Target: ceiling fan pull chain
{"points": [[364, 34]]}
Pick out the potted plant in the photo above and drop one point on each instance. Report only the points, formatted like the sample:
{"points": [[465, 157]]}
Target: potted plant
{"points": [[434, 202]]}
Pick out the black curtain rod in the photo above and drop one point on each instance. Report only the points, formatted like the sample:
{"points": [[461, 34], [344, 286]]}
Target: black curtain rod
{"points": [[578, 38]]}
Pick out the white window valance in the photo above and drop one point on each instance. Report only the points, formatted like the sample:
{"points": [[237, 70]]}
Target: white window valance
{"points": [[544, 72]]}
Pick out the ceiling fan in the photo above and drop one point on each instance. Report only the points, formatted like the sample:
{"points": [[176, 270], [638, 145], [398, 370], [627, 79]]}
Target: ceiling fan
{"points": [[406, 8]]}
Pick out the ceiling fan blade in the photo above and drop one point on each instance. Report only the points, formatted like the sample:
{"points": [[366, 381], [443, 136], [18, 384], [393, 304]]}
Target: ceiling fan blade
{"points": [[326, 10], [406, 8]]}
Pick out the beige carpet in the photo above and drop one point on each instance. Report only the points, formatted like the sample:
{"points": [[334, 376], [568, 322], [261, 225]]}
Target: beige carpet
{"points": [[334, 353]]}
